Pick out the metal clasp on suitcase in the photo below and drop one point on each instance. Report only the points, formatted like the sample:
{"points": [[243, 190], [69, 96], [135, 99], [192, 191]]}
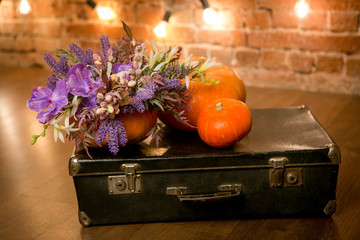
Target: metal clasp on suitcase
{"points": [[281, 176], [225, 191], [128, 183]]}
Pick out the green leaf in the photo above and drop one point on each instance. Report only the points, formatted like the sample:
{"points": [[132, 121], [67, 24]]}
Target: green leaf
{"points": [[127, 30], [157, 103], [33, 141]]}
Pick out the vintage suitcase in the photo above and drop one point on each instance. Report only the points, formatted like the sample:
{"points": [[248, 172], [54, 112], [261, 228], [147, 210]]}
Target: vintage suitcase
{"points": [[286, 167]]}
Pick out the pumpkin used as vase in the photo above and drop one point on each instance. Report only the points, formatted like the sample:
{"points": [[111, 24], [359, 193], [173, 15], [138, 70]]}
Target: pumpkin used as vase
{"points": [[137, 126], [229, 86]]}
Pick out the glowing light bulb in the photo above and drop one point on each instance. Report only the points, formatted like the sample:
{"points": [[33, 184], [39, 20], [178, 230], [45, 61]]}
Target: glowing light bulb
{"points": [[105, 13], [210, 16], [160, 29], [24, 7], [301, 8]]}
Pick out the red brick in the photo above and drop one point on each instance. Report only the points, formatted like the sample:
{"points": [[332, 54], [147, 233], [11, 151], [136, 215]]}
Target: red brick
{"points": [[126, 13], [60, 8], [277, 4], [92, 44], [97, 30], [239, 38], [231, 18], [43, 9], [331, 42], [268, 78], [329, 64], [7, 10], [301, 62], [247, 58], [222, 55], [6, 43], [196, 51], [222, 37], [343, 22], [285, 19], [182, 16], [83, 12], [12, 28], [178, 34], [17, 59], [272, 59], [272, 39], [243, 4], [141, 33], [46, 44], [48, 29], [353, 67], [314, 21], [82, 30], [257, 19], [24, 44], [149, 15], [335, 5]]}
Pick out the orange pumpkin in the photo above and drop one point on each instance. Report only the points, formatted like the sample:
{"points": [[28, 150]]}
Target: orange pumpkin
{"points": [[230, 86], [224, 122], [137, 126]]}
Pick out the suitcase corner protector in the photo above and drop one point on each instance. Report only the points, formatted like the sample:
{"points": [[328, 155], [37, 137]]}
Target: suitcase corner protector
{"points": [[74, 166], [84, 219], [334, 154], [330, 208]]}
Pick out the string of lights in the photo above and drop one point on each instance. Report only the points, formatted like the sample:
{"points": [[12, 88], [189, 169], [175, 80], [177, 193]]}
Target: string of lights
{"points": [[210, 16], [104, 12]]}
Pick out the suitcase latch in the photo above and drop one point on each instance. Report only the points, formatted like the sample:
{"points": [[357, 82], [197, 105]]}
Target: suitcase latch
{"points": [[128, 183], [281, 176]]}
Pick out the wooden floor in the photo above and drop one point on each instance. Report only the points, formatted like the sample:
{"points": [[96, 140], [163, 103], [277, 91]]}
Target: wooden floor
{"points": [[38, 201]]}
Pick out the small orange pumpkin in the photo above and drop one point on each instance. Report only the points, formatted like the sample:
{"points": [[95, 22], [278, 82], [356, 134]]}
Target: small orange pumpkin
{"points": [[229, 86], [224, 122]]}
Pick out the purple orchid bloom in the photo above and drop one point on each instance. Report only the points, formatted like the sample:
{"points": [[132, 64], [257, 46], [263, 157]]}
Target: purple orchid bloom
{"points": [[87, 103], [48, 103], [121, 67], [81, 81]]}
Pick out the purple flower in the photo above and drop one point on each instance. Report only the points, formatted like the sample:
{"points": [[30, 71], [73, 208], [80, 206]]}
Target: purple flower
{"points": [[51, 83], [48, 103], [86, 105], [115, 133], [139, 106], [81, 82], [59, 68], [83, 57], [105, 44], [147, 92], [172, 83], [144, 94], [120, 67]]}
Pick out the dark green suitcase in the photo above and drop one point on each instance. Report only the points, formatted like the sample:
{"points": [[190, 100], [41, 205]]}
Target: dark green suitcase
{"points": [[286, 167]]}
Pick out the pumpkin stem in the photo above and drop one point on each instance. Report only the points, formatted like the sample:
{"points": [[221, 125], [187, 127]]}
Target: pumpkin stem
{"points": [[219, 106]]}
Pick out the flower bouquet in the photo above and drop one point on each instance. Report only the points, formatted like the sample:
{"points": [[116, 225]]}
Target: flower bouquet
{"points": [[111, 98]]}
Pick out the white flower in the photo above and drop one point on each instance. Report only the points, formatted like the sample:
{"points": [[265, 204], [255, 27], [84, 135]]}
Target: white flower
{"points": [[209, 63], [67, 128]]}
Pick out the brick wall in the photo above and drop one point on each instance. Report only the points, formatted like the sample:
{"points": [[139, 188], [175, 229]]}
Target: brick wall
{"points": [[261, 39]]}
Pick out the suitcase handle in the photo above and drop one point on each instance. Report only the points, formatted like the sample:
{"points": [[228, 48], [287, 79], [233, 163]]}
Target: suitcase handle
{"points": [[225, 192]]}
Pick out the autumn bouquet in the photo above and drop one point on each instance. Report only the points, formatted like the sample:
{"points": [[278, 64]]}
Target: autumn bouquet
{"points": [[90, 96]]}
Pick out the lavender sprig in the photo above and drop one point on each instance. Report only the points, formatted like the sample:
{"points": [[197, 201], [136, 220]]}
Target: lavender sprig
{"points": [[113, 131]]}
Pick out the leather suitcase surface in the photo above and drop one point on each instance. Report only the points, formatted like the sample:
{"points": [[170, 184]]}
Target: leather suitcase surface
{"points": [[286, 167]]}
